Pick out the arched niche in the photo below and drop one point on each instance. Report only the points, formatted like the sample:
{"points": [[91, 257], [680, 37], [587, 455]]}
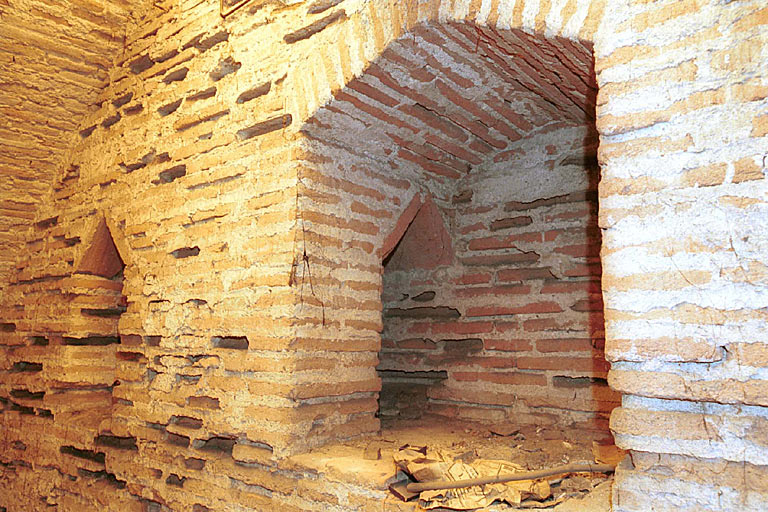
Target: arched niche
{"points": [[497, 128]]}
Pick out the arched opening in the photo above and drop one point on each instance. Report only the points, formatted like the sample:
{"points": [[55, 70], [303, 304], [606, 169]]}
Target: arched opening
{"points": [[84, 371], [408, 375], [102, 257], [464, 163]]}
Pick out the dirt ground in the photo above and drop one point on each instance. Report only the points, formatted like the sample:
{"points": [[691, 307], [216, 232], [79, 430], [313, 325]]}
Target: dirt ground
{"points": [[530, 447]]}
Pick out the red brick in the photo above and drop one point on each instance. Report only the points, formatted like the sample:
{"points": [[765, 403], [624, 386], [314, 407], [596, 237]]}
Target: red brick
{"points": [[493, 362], [512, 222], [367, 247], [478, 226], [484, 120], [478, 113], [373, 111], [493, 291], [482, 244], [384, 178], [591, 286], [552, 324], [131, 340], [453, 149], [565, 345], [435, 120], [478, 209], [447, 72], [400, 226], [584, 270], [417, 344], [504, 326], [513, 345], [433, 152], [509, 114], [484, 143], [462, 327], [310, 174], [573, 214], [359, 207], [577, 364], [524, 274], [476, 278], [416, 71], [429, 165], [357, 226], [501, 259], [580, 250], [592, 304], [532, 308], [419, 327], [514, 378], [533, 236], [373, 93], [551, 236]]}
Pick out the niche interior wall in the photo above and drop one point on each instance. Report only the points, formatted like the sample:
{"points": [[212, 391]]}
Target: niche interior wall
{"points": [[253, 321], [463, 171]]}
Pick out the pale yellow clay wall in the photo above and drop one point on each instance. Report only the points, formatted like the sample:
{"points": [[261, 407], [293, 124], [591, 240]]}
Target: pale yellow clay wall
{"points": [[55, 58], [682, 117]]}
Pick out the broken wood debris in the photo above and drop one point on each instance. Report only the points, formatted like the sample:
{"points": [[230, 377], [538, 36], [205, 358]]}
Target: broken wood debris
{"points": [[446, 482]]}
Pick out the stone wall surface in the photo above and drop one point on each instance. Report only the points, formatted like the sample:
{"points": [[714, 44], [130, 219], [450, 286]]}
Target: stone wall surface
{"points": [[199, 293]]}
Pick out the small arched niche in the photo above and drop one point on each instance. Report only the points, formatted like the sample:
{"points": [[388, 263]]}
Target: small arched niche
{"points": [[413, 263], [85, 372], [101, 258]]}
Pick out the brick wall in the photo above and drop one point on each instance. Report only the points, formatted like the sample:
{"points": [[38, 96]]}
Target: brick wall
{"points": [[140, 388], [683, 212], [513, 319], [55, 60], [251, 173], [503, 191]]}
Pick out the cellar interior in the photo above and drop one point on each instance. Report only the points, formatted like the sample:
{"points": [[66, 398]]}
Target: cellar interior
{"points": [[287, 255]]}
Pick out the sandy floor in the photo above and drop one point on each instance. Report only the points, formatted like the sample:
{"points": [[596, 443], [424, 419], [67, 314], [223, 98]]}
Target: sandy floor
{"points": [[369, 460]]}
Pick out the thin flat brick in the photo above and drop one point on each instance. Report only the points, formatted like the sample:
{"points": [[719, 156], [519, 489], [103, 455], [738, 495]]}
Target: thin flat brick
{"points": [[314, 28], [264, 127]]}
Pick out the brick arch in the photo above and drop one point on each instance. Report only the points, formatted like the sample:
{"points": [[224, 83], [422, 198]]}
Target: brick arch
{"points": [[436, 108], [352, 41], [493, 84]]}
